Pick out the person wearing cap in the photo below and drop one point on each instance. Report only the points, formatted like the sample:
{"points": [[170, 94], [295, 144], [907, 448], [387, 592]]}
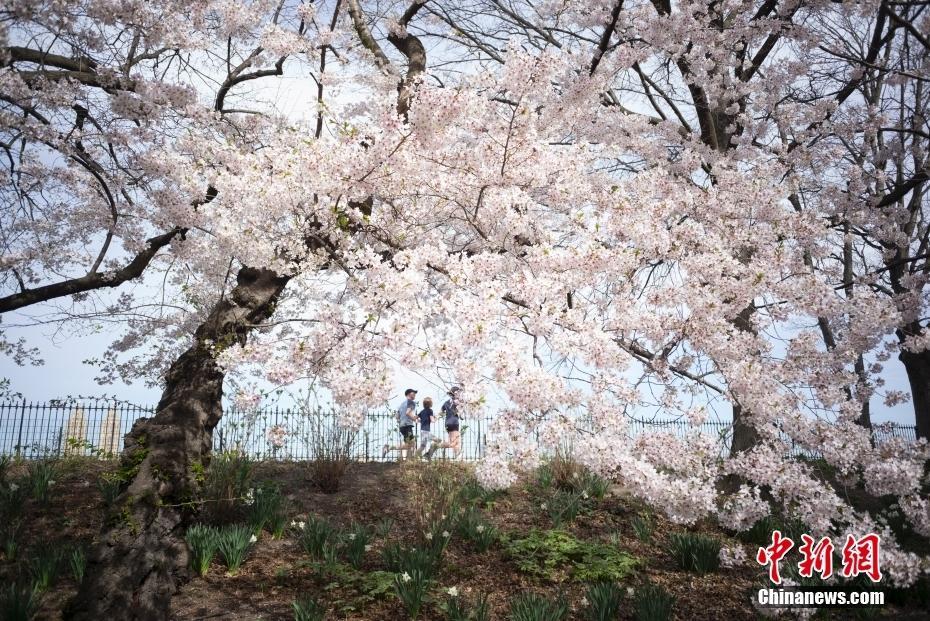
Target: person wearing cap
{"points": [[406, 417], [451, 411]]}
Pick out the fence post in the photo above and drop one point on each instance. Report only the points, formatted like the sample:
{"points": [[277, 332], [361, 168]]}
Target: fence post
{"points": [[112, 440], [58, 442], [19, 439]]}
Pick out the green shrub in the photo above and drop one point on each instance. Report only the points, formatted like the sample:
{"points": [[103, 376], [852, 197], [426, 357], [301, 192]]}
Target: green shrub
{"points": [[227, 481], [308, 609], [12, 504], [457, 608], [411, 589], [277, 524], [233, 542], [361, 588], [315, 534], [544, 476], [593, 485], [694, 552], [473, 527], [642, 527], [9, 537], [13, 500], [203, 542], [438, 537], [652, 603], [383, 527], [391, 555], [40, 479], [329, 557], [409, 560], [472, 493], [356, 542], [78, 562], [563, 507], [553, 552], [533, 607], [267, 505], [760, 533], [604, 600], [44, 566], [5, 462], [110, 485], [18, 602]]}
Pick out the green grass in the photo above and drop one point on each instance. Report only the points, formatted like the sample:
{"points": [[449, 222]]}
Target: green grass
{"points": [[233, 542], [308, 609], [533, 607], [18, 601], [652, 603], [203, 542], [604, 601], [694, 552], [411, 588]]}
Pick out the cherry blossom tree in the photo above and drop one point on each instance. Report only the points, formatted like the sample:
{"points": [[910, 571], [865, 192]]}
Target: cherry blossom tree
{"points": [[596, 223], [594, 209], [99, 100]]}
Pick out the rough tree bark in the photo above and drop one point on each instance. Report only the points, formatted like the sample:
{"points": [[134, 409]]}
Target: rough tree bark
{"points": [[135, 569], [917, 366], [141, 557], [745, 435]]}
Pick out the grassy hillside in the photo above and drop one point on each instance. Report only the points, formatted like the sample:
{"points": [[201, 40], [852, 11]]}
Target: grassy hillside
{"points": [[394, 539]]}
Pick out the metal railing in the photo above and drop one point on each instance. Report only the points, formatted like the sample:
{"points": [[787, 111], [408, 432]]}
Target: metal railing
{"points": [[96, 428]]}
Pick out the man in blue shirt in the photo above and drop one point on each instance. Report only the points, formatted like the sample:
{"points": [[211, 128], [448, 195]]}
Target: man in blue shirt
{"points": [[406, 417]]}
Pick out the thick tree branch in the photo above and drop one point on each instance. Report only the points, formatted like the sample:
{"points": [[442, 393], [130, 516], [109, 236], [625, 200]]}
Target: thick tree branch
{"points": [[364, 34], [25, 54], [93, 280], [901, 190], [605, 37], [237, 77]]}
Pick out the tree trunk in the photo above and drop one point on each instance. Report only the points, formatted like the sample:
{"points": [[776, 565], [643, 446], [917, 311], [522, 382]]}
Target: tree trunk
{"points": [[745, 435], [917, 366], [134, 570], [865, 413]]}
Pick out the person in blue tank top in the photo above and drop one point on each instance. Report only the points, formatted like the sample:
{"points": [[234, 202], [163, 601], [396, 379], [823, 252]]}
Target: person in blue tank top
{"points": [[450, 410]]}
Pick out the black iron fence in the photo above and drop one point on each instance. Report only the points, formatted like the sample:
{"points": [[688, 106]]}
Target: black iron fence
{"points": [[97, 428]]}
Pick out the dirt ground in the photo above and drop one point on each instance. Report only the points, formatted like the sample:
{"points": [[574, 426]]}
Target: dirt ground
{"points": [[276, 572]]}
